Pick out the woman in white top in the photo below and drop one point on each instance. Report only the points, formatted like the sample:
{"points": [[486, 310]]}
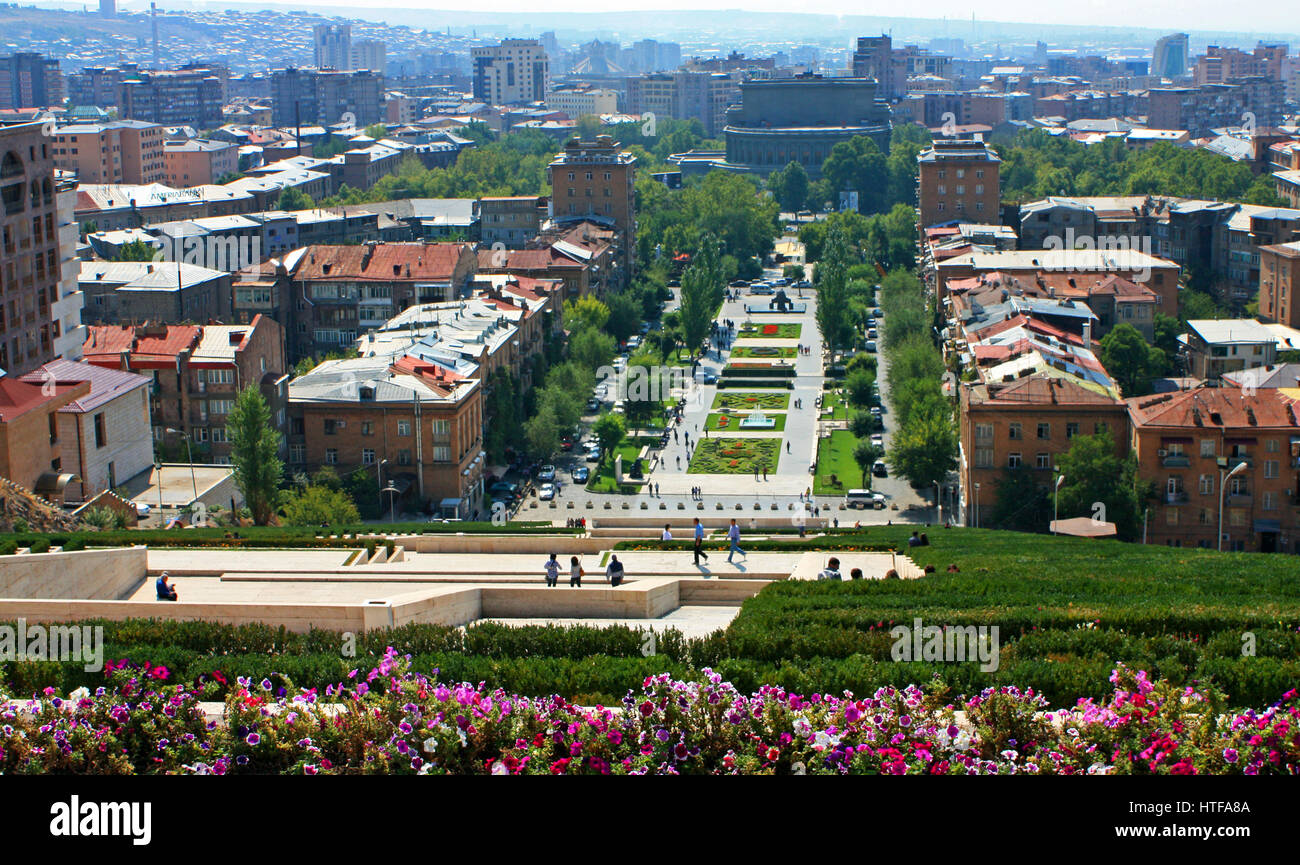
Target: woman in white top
{"points": [[667, 535], [576, 572]]}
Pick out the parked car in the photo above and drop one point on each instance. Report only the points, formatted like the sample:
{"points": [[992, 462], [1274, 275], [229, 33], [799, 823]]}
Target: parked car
{"points": [[566, 444], [504, 491], [871, 321], [878, 440], [878, 469], [645, 327], [618, 407], [739, 283], [803, 283], [142, 509], [877, 312], [877, 411], [581, 474], [633, 342], [547, 492], [871, 333], [593, 455], [547, 472], [708, 377], [780, 281], [871, 345], [593, 405]]}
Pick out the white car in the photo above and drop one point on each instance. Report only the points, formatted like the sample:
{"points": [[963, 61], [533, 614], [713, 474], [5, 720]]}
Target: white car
{"points": [[878, 440], [142, 509], [547, 492]]}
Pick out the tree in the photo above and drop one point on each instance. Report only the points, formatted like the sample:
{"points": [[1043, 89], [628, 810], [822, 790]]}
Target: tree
{"points": [[793, 272], [832, 291], [609, 431], [924, 449], [320, 506], [254, 453], [865, 455], [292, 198], [624, 315], [1101, 484], [1022, 503], [789, 186], [859, 387], [542, 433], [702, 286], [858, 165], [1130, 359], [592, 348], [585, 312]]}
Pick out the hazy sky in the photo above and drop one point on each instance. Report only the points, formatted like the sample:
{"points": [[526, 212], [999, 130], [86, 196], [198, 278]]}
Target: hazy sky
{"points": [[1171, 15]]}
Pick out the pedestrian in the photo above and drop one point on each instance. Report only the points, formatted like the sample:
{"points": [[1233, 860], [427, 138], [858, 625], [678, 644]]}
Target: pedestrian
{"points": [[764, 473], [552, 569], [787, 447], [831, 571], [699, 543], [614, 571], [679, 461], [668, 533], [576, 573], [733, 535], [837, 522], [855, 574]]}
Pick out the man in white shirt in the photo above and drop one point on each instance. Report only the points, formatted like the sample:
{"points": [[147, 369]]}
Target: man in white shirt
{"points": [[667, 535], [831, 571]]}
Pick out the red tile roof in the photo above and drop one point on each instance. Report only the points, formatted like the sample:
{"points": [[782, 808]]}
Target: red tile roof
{"points": [[382, 262], [18, 397], [1216, 408], [105, 344]]}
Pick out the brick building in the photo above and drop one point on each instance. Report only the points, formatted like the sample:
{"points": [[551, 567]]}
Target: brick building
{"points": [[595, 181], [195, 374], [121, 151], [1279, 269], [134, 292], [1187, 442], [31, 449], [195, 162], [958, 180], [417, 425]]}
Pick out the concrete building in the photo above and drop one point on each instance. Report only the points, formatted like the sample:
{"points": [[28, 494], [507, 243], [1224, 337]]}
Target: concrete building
{"points": [[1212, 348], [332, 46], [1202, 109], [326, 97], [958, 180], [517, 70], [686, 95], [135, 292], [1188, 442], [195, 162], [596, 181], [120, 151], [195, 373], [580, 101], [784, 120], [29, 80], [34, 294], [417, 425], [104, 435], [189, 97], [369, 54], [1279, 279], [1170, 59], [511, 220]]}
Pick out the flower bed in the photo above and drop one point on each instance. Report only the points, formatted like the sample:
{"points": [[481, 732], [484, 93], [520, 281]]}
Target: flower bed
{"points": [[735, 456], [750, 401], [391, 720], [730, 422], [770, 331], [760, 351]]}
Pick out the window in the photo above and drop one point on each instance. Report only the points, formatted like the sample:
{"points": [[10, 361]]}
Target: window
{"points": [[403, 427], [297, 453], [1239, 487], [331, 456], [1014, 432], [1043, 461], [942, 190], [1013, 461], [1171, 516], [1270, 468], [441, 427], [1207, 447], [1270, 446], [1045, 431], [1270, 501], [1071, 430], [220, 406], [984, 431], [331, 426], [441, 454], [368, 456], [1205, 485], [984, 458], [367, 428], [101, 433], [219, 435], [201, 434], [404, 458], [1100, 428], [1236, 517]]}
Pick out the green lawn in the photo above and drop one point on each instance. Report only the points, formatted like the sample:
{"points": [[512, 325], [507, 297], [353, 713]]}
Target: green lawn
{"points": [[760, 331], [735, 456], [766, 400], [835, 457], [715, 423], [834, 400], [762, 351], [602, 475]]}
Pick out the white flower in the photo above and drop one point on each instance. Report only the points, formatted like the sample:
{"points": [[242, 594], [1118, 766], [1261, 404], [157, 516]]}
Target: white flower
{"points": [[79, 694]]}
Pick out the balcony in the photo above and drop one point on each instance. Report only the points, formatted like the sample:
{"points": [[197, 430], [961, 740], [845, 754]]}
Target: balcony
{"points": [[1239, 500], [1178, 498], [1176, 461]]}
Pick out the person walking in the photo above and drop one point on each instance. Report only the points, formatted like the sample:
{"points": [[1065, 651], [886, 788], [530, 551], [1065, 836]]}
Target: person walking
{"points": [[614, 571], [552, 569], [733, 535], [699, 543], [576, 573]]}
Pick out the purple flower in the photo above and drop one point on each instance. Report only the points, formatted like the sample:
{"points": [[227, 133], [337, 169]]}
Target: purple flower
{"points": [[253, 739]]}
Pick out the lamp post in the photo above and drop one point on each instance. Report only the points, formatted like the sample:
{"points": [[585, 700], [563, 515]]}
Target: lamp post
{"points": [[1056, 498], [380, 478], [392, 502], [189, 455], [977, 506], [1223, 480]]}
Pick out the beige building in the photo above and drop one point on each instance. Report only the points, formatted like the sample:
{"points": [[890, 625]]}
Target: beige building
{"points": [[577, 101], [196, 162], [122, 151], [517, 70]]}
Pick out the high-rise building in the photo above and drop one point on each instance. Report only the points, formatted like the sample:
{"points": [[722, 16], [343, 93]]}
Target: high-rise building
{"points": [[874, 58], [686, 95], [369, 54], [959, 180], [595, 180], [326, 97], [108, 8], [38, 305], [332, 45], [120, 151], [517, 70], [1170, 58], [29, 80], [189, 97]]}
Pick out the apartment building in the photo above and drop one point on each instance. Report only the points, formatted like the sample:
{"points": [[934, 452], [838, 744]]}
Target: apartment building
{"points": [[1212, 348], [417, 425], [326, 97], [134, 292], [958, 180], [1025, 425], [29, 80], [511, 220], [34, 291], [341, 291], [1279, 277], [195, 373], [686, 95], [120, 151], [1207, 107], [580, 101], [31, 446], [103, 436], [183, 97], [1221, 456], [596, 181], [195, 162], [517, 70], [332, 46]]}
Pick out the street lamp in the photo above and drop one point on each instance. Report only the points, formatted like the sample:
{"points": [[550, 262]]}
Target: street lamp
{"points": [[1223, 480], [392, 502], [977, 506], [380, 478], [189, 455], [1056, 498]]}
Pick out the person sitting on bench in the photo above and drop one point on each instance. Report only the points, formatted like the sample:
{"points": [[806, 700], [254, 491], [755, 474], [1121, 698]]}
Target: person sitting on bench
{"points": [[165, 592]]}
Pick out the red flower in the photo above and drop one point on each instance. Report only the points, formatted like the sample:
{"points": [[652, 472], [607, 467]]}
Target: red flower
{"points": [[560, 766]]}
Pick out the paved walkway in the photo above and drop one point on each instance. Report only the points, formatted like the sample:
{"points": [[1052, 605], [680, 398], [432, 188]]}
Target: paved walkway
{"points": [[692, 621]]}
